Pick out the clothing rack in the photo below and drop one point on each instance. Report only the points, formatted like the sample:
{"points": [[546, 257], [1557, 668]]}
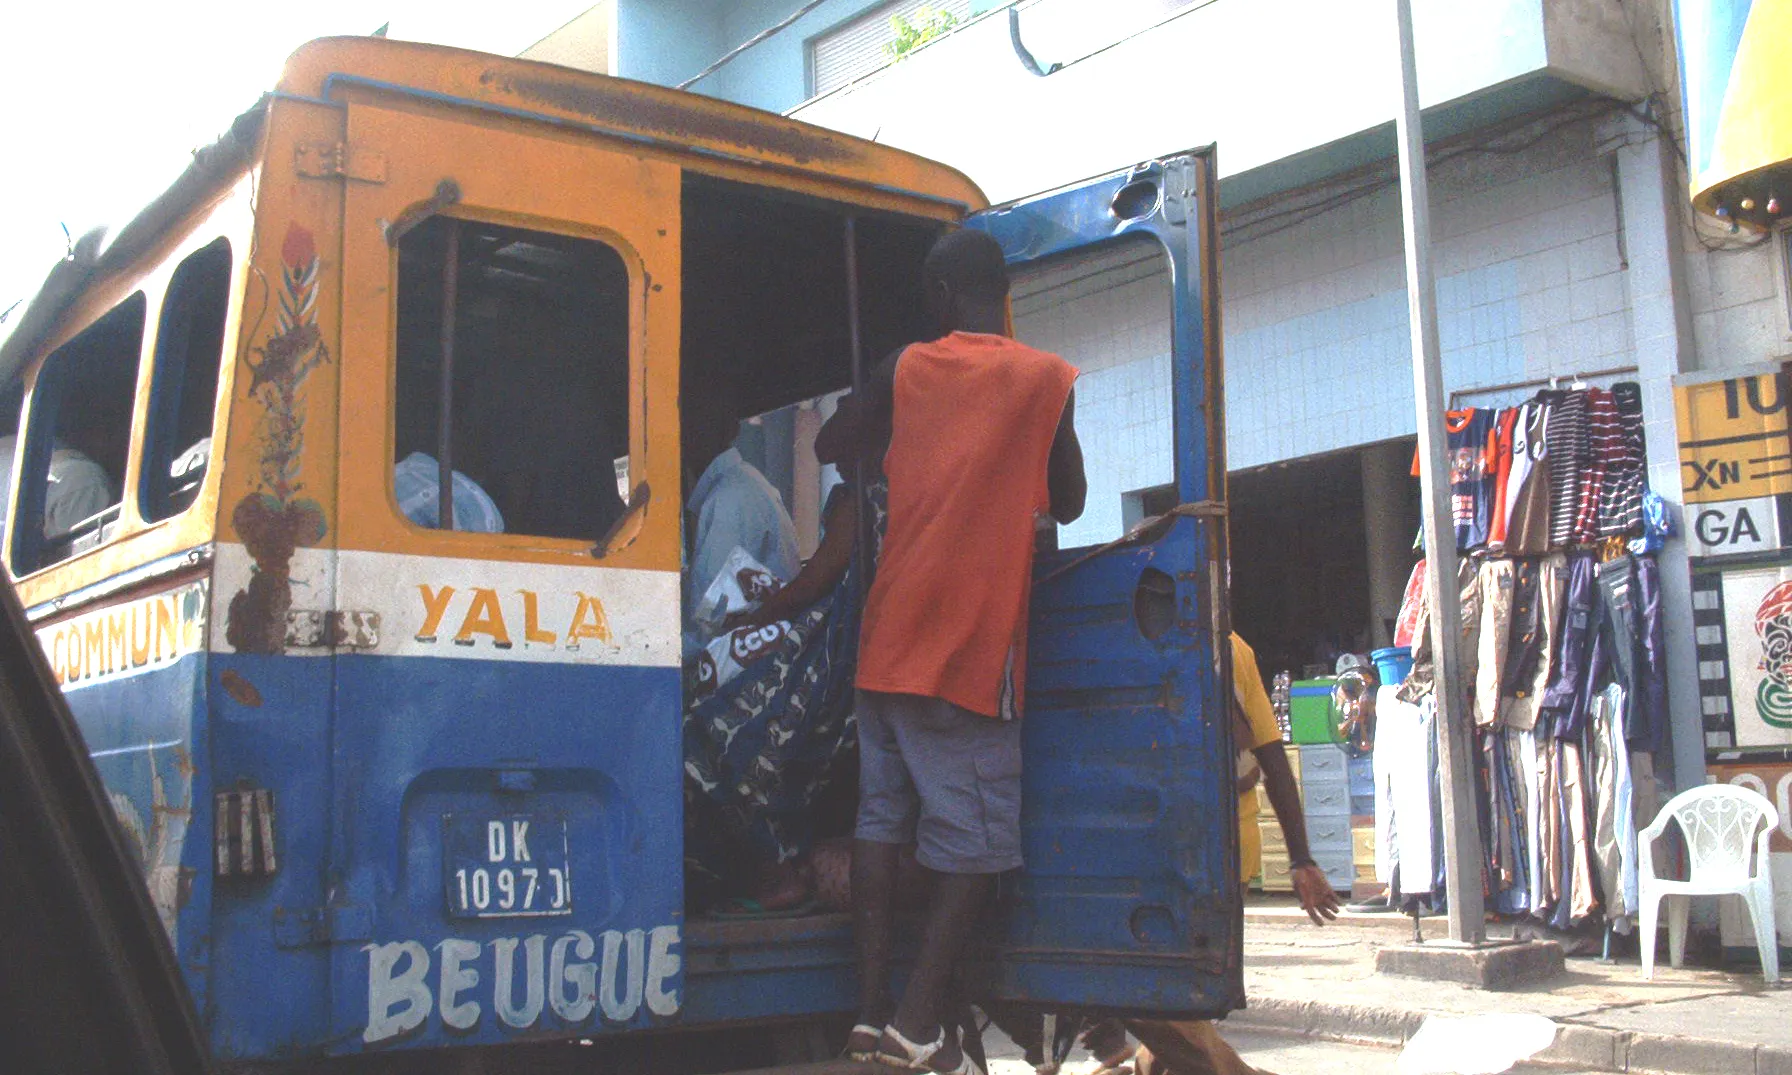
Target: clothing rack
{"points": [[1538, 382]]}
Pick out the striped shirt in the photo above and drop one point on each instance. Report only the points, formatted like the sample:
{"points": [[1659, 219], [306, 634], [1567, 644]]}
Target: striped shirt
{"points": [[1621, 498], [1565, 434], [1605, 445]]}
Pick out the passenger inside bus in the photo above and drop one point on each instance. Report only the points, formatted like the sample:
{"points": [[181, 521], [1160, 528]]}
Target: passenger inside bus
{"points": [[765, 750], [79, 430], [416, 483], [728, 503], [767, 310], [77, 486]]}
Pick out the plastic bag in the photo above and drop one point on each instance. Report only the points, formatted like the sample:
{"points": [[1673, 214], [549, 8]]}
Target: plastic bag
{"points": [[1658, 524], [741, 586]]}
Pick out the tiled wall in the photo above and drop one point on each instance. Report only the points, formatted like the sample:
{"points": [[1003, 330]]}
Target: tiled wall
{"points": [[1739, 302], [1530, 268]]}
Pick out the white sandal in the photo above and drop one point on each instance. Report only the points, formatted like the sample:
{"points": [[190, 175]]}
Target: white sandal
{"points": [[864, 1056], [916, 1056]]}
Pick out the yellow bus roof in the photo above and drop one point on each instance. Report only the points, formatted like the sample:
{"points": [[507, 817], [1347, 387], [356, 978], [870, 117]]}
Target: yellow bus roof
{"points": [[635, 111]]}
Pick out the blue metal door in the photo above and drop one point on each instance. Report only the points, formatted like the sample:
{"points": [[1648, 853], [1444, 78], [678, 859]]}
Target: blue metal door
{"points": [[1130, 897]]}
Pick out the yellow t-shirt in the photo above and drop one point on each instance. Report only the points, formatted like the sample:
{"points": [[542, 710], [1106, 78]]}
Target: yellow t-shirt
{"points": [[1260, 715]]}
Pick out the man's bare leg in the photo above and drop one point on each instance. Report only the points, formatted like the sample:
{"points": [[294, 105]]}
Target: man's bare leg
{"points": [[951, 915], [873, 922]]}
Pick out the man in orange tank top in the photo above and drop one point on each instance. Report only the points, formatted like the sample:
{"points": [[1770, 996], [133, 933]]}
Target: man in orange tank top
{"points": [[982, 443]]}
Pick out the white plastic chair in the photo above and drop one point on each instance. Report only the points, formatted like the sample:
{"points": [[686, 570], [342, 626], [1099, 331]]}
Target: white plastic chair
{"points": [[1721, 823]]}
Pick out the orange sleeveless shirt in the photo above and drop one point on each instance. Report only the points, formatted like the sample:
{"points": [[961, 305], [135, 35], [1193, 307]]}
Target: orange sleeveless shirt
{"points": [[973, 420]]}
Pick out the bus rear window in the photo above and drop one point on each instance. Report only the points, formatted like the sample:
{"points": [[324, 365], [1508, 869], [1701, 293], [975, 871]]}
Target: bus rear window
{"points": [[184, 393], [78, 440], [513, 371]]}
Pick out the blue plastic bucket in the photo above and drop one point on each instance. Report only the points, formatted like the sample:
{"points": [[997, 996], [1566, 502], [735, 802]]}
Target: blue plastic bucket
{"points": [[1393, 663]]}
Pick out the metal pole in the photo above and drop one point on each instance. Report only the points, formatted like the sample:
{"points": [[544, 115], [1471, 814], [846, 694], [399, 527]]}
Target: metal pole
{"points": [[445, 404], [1462, 839], [856, 345]]}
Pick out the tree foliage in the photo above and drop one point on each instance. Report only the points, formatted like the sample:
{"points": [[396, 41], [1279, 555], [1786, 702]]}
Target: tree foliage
{"points": [[913, 31]]}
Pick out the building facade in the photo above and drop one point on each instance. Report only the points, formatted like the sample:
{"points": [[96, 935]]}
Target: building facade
{"points": [[1565, 246]]}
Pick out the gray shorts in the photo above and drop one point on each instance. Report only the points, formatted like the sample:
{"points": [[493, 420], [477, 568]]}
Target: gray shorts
{"points": [[942, 776]]}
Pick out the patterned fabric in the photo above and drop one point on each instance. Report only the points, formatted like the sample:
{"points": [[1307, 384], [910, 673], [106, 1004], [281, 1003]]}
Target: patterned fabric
{"points": [[1566, 440], [759, 750]]}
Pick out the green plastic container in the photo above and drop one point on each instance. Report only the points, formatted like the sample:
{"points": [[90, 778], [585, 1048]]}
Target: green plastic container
{"points": [[1310, 711]]}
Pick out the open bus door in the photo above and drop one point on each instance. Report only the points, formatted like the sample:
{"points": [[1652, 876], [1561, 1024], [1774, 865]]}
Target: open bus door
{"points": [[1130, 900]]}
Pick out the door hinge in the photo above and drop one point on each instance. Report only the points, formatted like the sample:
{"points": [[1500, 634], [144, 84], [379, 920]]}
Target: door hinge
{"points": [[337, 160], [309, 628]]}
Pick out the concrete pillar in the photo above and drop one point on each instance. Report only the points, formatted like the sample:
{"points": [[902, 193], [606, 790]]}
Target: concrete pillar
{"points": [[1389, 522], [1650, 198]]}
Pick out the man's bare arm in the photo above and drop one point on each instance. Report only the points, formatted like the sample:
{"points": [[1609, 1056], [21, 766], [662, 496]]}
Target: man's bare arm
{"points": [[1065, 479], [860, 428]]}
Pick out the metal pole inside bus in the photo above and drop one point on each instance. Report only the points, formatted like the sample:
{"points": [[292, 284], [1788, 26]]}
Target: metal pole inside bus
{"points": [[445, 403], [856, 347]]}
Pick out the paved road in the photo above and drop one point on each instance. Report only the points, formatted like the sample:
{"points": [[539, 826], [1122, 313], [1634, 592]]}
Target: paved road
{"points": [[1282, 1055]]}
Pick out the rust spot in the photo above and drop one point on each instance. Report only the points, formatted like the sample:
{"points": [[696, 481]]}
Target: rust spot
{"points": [[240, 689], [676, 120]]}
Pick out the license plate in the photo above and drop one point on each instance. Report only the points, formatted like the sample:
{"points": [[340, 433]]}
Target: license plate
{"points": [[501, 867]]}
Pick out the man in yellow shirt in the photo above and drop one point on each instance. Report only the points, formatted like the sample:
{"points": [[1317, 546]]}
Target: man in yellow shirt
{"points": [[1261, 757]]}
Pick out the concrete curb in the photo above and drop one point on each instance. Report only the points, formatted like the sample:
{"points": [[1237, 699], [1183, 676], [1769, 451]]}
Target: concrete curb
{"points": [[1577, 1047]]}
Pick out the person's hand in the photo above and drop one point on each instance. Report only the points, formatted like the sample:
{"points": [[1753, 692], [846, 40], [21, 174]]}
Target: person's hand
{"points": [[748, 618], [1315, 894], [757, 616]]}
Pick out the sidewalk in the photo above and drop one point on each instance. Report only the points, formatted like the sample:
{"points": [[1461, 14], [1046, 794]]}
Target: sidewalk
{"points": [[1322, 981]]}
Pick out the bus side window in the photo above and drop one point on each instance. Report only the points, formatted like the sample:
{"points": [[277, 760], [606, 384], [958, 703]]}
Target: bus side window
{"points": [[184, 385], [537, 366], [78, 439]]}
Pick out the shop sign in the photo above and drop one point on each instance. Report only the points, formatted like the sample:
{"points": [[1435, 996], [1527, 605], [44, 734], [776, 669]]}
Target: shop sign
{"points": [[1742, 626], [1733, 439], [1733, 527]]}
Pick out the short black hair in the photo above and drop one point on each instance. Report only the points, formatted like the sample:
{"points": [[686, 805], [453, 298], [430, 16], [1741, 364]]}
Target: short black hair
{"points": [[971, 264]]}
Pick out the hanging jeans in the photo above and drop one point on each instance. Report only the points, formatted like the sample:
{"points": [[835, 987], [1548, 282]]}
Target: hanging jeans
{"points": [[1647, 725], [1614, 819], [1566, 699]]}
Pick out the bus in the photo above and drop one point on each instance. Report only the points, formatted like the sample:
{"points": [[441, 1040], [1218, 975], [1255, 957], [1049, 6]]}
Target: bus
{"points": [[399, 787]]}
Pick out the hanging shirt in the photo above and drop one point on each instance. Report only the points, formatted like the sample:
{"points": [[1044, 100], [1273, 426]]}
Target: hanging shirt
{"points": [[1469, 450], [1605, 444], [1566, 435], [1621, 497], [1527, 486], [1500, 459], [973, 417]]}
